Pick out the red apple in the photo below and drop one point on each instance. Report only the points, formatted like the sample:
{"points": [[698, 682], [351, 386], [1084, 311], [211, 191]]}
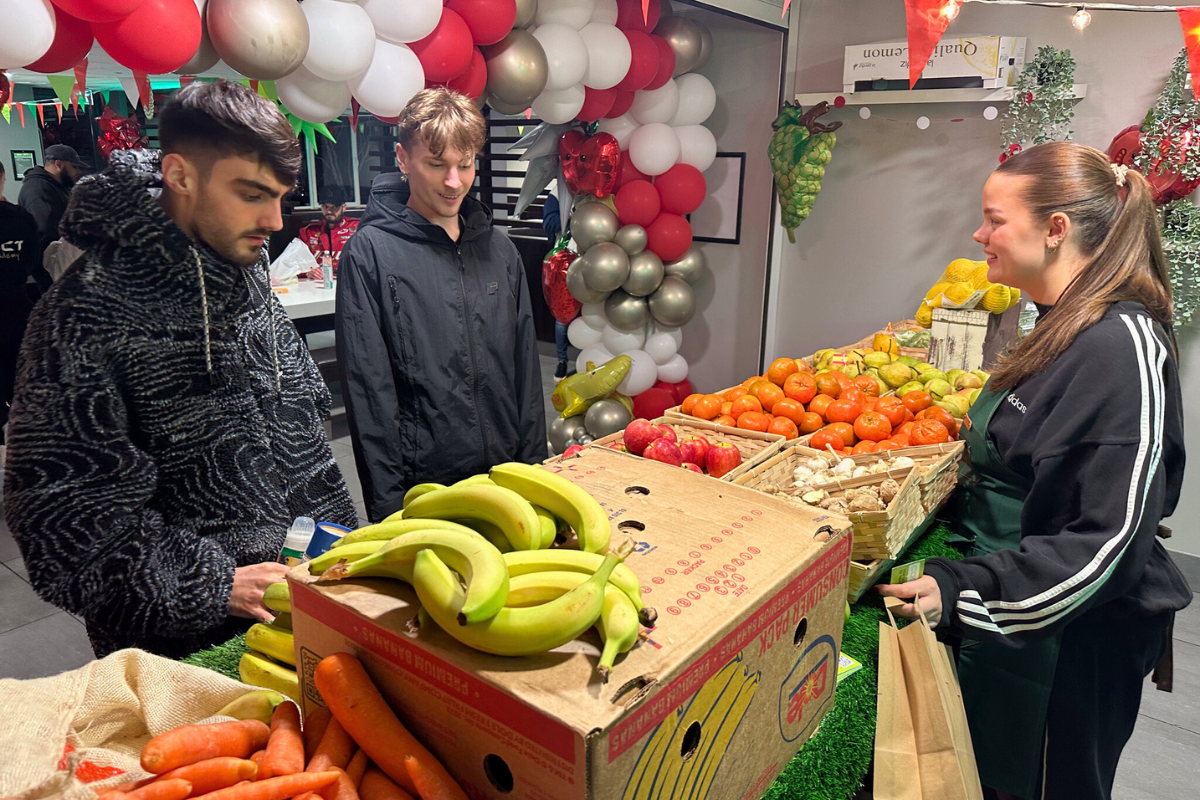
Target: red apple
{"points": [[694, 449], [639, 434], [663, 450], [572, 450], [722, 457], [619, 447], [692, 467], [667, 432]]}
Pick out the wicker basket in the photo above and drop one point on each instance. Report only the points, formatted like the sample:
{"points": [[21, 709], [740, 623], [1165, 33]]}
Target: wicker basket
{"points": [[754, 446], [919, 353], [864, 575], [938, 465]]}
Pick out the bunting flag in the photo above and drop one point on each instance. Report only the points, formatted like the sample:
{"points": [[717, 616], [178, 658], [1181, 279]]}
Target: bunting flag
{"points": [[254, 84], [529, 113], [41, 114], [58, 107], [143, 86], [186, 80], [80, 82], [267, 90], [927, 21], [1189, 20], [646, 12], [786, 4], [129, 84], [353, 112], [21, 113], [105, 95], [6, 112], [62, 85]]}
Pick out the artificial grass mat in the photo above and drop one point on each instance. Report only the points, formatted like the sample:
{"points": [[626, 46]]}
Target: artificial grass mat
{"points": [[834, 761]]}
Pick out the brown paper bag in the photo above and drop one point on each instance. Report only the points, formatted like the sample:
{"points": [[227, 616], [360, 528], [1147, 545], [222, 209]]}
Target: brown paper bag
{"points": [[922, 743]]}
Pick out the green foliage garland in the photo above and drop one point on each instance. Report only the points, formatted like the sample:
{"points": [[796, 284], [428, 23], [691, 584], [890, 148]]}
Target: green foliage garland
{"points": [[1041, 109], [1170, 126], [1181, 240]]}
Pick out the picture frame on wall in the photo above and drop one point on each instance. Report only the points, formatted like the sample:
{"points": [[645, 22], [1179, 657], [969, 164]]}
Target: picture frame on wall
{"points": [[23, 161], [719, 217]]}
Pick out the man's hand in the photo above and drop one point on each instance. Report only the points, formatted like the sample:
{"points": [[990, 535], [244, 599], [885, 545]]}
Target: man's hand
{"points": [[249, 583], [926, 589]]}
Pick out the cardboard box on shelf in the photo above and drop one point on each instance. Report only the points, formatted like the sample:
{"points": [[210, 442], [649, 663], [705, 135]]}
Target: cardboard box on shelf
{"points": [[988, 62], [727, 687]]}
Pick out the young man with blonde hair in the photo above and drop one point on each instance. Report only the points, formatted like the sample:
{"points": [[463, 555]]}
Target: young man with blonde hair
{"points": [[435, 334]]}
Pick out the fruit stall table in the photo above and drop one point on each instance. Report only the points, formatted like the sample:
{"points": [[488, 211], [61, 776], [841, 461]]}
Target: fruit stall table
{"points": [[835, 760]]}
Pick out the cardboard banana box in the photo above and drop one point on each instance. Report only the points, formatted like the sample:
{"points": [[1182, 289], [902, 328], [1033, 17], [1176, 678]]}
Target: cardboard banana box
{"points": [[727, 687]]}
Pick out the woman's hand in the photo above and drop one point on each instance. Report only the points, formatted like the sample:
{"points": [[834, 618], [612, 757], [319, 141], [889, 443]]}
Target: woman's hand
{"points": [[926, 589]]}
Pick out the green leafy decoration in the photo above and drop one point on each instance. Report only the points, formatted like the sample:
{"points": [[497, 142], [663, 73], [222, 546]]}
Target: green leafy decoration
{"points": [[1041, 107], [1181, 240], [1168, 136], [309, 129]]}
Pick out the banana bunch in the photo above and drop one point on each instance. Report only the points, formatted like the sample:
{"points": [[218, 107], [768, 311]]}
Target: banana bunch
{"points": [[258, 704], [270, 661], [959, 282]]}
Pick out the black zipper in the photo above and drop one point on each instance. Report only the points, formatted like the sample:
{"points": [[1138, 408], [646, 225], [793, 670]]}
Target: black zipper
{"points": [[462, 283]]}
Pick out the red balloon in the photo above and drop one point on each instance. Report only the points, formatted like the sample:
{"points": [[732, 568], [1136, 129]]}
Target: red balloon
{"points": [[668, 237], [489, 20], [72, 40], [1165, 185], [621, 104], [651, 403], [638, 204], [161, 36], [446, 52], [643, 68], [628, 172], [666, 63], [681, 189], [473, 79], [683, 389], [629, 15], [596, 103], [100, 10]]}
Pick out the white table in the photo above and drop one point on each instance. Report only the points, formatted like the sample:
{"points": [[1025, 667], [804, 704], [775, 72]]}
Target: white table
{"points": [[309, 304]]}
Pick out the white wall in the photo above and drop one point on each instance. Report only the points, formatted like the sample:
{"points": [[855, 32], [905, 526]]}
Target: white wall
{"points": [[14, 137], [899, 203]]}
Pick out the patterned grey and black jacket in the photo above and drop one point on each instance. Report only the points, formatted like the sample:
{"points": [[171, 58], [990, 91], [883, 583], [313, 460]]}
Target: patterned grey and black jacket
{"points": [[166, 426]]}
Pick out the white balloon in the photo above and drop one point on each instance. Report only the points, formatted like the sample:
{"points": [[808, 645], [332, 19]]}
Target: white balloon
{"points": [[661, 346], [27, 31], [400, 21], [642, 373], [609, 55], [596, 354], [605, 12], [566, 55], [619, 341], [573, 13], [674, 333], [593, 314], [656, 105], [621, 128], [581, 334], [559, 106], [674, 370], [313, 99], [697, 99], [394, 76], [697, 146], [346, 43], [654, 148]]}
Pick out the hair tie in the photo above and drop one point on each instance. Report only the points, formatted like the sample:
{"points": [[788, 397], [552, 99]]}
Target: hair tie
{"points": [[1119, 171]]}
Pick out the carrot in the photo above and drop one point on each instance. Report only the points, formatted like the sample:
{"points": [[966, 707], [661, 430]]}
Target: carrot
{"points": [[341, 789], [188, 744], [335, 750], [358, 766], [113, 794], [285, 750], [358, 705], [276, 788], [258, 757], [430, 783], [215, 773], [378, 786], [174, 789], [315, 723]]}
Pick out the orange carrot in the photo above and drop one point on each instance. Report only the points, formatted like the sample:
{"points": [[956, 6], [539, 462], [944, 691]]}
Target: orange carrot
{"points": [[358, 705], [258, 757], [335, 750], [341, 789], [315, 723], [358, 766], [431, 784], [276, 788], [188, 744], [174, 789], [378, 786], [115, 793], [215, 773], [285, 750]]}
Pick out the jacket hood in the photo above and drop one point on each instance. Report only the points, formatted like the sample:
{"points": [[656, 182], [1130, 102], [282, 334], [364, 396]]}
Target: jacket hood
{"points": [[39, 173], [387, 210]]}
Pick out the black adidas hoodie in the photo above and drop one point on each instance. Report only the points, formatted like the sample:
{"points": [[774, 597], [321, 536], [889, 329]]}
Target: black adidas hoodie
{"points": [[1098, 436]]}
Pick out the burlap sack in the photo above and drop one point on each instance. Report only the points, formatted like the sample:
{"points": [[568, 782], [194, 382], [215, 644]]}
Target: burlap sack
{"points": [[76, 734]]}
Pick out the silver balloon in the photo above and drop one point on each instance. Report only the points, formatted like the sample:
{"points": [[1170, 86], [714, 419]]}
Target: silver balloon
{"points": [[645, 274], [684, 37], [606, 417], [506, 108], [516, 68], [665, 9], [625, 312], [562, 431], [583, 437], [578, 287], [605, 267], [261, 39], [706, 46], [526, 9], [206, 55], [592, 223], [632, 239], [674, 303], [689, 267]]}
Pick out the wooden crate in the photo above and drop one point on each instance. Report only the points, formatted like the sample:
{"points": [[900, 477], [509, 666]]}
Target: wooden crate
{"points": [[937, 464], [866, 573], [956, 338]]}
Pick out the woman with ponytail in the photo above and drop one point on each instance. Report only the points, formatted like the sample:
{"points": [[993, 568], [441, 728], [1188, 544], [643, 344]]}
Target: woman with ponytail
{"points": [[1074, 456]]}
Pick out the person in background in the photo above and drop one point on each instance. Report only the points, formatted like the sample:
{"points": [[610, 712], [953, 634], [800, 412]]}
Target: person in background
{"points": [[46, 190], [326, 237], [167, 424], [435, 336], [552, 225], [19, 261]]}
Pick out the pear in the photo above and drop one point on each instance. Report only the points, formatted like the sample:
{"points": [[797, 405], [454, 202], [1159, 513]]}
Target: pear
{"points": [[907, 361], [932, 375], [967, 380], [877, 359], [951, 374], [938, 388], [922, 366], [851, 370], [983, 376], [895, 374], [955, 404], [974, 396], [911, 386], [883, 387]]}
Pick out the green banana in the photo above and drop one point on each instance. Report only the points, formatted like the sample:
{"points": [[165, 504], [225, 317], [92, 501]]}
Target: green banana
{"points": [[385, 531], [549, 524], [349, 552], [513, 631], [557, 560], [258, 670], [491, 532], [413, 494], [258, 704], [562, 498], [278, 597], [467, 553], [272, 641], [476, 480], [283, 621], [618, 624], [499, 506]]}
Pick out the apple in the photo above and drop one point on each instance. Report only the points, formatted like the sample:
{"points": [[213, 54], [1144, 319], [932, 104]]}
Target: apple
{"points": [[664, 450], [692, 467], [572, 450], [668, 433], [694, 449], [722, 457], [639, 434]]}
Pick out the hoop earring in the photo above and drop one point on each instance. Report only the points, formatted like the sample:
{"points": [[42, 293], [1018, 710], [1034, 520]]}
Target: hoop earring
{"points": [[404, 177], [1052, 248]]}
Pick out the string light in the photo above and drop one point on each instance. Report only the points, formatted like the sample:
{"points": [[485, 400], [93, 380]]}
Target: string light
{"points": [[951, 9], [1081, 19]]}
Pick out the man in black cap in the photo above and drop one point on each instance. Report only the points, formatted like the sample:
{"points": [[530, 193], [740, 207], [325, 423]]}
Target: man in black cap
{"points": [[47, 189], [327, 236]]}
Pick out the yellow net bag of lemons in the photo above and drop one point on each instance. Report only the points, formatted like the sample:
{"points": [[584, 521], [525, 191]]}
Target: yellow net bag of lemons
{"points": [[961, 279]]}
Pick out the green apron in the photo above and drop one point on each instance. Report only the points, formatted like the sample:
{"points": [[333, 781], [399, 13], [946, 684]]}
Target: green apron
{"points": [[1006, 690]]}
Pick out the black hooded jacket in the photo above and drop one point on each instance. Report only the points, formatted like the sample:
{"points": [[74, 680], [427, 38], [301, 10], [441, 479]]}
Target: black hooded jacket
{"points": [[45, 199], [436, 345]]}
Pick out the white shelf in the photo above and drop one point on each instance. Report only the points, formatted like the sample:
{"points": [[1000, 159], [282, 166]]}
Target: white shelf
{"points": [[1002, 95]]}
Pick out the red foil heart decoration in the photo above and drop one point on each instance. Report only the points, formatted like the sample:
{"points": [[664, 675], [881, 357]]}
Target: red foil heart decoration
{"points": [[590, 164], [563, 306], [1165, 185], [119, 133]]}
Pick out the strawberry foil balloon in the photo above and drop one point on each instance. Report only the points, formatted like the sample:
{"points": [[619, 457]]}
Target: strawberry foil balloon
{"points": [[1165, 184], [563, 306], [590, 164]]}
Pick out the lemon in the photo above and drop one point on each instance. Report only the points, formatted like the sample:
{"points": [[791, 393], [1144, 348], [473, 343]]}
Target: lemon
{"points": [[959, 270], [979, 278], [924, 316], [996, 299], [1014, 296], [959, 293], [937, 290]]}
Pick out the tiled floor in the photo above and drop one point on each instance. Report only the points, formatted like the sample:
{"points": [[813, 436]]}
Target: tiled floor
{"points": [[1162, 760]]}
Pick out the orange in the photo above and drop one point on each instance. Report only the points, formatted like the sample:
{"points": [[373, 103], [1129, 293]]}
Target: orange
{"points": [[811, 422], [727, 420], [753, 421], [780, 369], [743, 404], [707, 406], [828, 384], [843, 411], [892, 408], [865, 446], [901, 439], [789, 408], [845, 430], [917, 400], [889, 444], [868, 385], [904, 429], [820, 404], [689, 402], [784, 426], [801, 387], [853, 394], [869, 403], [802, 365], [909, 416], [751, 380], [825, 439], [842, 378], [770, 394], [734, 393], [929, 431], [726, 407], [943, 416], [873, 426]]}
